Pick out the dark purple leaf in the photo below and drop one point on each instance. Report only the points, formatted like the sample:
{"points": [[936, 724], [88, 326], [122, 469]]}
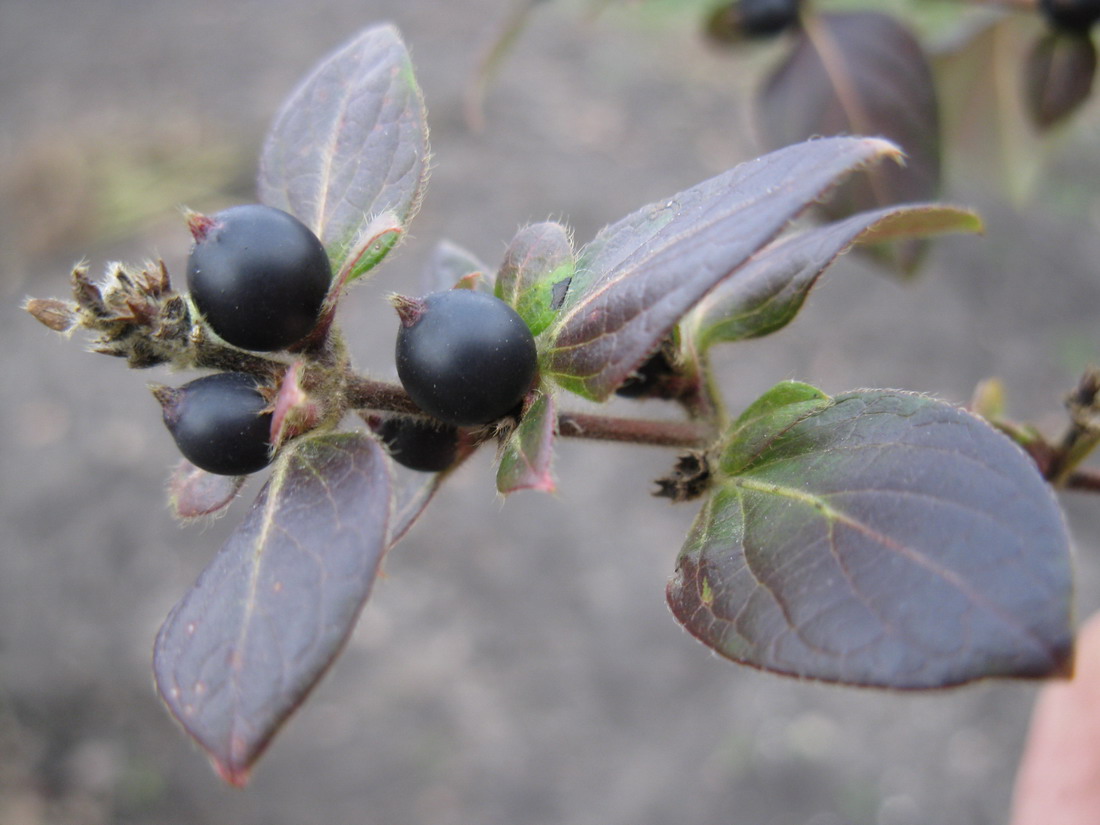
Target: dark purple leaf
{"points": [[411, 495], [765, 294], [449, 264], [529, 451], [274, 607], [877, 538], [1058, 77], [193, 492], [350, 145], [413, 491], [536, 273], [860, 73], [638, 277]]}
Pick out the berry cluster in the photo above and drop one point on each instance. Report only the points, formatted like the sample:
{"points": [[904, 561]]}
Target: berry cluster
{"points": [[259, 277], [259, 282]]}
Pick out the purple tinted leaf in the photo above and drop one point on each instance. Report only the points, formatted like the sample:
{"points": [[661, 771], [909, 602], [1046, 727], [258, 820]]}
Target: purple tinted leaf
{"points": [[449, 264], [877, 538], [274, 607], [411, 497], [350, 144], [413, 491], [409, 503], [860, 73], [639, 276], [1058, 77], [529, 451], [536, 273], [765, 294], [193, 492]]}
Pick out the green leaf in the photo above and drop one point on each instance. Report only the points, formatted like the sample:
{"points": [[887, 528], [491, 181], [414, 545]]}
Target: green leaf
{"points": [[525, 463], [767, 418], [767, 293], [536, 273], [349, 145], [275, 606], [878, 538], [638, 277]]}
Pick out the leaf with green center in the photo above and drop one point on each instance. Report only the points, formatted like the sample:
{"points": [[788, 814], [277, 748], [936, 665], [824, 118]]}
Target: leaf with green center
{"points": [[529, 451], [638, 277], [767, 293], [861, 73], [877, 538], [536, 273], [275, 606], [351, 144]]}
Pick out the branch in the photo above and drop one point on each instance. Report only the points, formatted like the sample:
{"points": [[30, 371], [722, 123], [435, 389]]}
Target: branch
{"points": [[1014, 5], [1084, 481], [681, 434], [365, 394]]}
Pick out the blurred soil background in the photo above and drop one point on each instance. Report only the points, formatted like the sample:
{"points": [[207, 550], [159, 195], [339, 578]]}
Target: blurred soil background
{"points": [[517, 664]]}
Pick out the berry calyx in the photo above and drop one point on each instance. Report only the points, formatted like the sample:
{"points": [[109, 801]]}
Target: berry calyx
{"points": [[419, 444], [221, 423], [1075, 16], [258, 275], [464, 357]]}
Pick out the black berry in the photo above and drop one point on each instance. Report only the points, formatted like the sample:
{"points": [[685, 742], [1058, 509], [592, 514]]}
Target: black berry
{"points": [[219, 423], [1077, 16], [419, 444], [464, 357], [753, 19], [258, 275], [763, 18]]}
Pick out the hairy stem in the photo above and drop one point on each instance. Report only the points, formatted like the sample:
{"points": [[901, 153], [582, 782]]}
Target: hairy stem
{"points": [[681, 434], [1018, 5], [1083, 435], [366, 394], [1084, 481]]}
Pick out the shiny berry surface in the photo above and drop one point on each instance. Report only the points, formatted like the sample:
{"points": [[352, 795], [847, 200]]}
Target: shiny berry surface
{"points": [[258, 275], [464, 357], [219, 423], [419, 444]]}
